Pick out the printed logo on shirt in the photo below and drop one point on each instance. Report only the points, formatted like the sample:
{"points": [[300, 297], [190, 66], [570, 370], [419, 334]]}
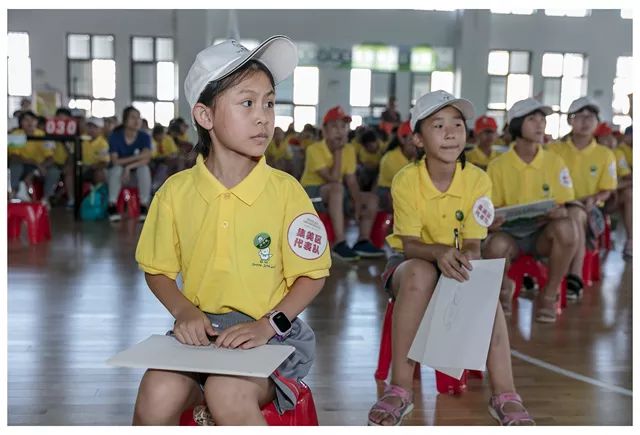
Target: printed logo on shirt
{"points": [[565, 178], [612, 169], [593, 170], [262, 241], [623, 163], [307, 236], [483, 211]]}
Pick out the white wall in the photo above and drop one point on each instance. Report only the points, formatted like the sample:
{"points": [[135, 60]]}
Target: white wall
{"points": [[602, 37]]}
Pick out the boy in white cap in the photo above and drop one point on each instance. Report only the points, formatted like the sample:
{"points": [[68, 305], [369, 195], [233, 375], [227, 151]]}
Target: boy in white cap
{"points": [[527, 173], [593, 171], [245, 237], [441, 209]]}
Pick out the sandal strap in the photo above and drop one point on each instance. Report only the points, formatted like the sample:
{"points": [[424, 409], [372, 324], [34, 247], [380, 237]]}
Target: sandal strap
{"points": [[397, 391], [513, 417], [510, 396]]}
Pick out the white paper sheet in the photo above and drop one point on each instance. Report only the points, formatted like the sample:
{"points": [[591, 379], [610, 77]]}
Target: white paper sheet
{"points": [[455, 332], [165, 352]]}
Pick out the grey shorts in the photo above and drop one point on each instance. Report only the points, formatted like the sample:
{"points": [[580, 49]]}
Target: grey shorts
{"points": [[314, 192], [527, 244], [294, 368]]}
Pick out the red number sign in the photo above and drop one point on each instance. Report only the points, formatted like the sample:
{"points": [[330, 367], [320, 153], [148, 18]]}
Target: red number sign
{"points": [[61, 127]]}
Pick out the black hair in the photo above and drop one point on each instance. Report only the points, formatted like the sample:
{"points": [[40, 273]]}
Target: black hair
{"points": [[125, 116], [368, 136], [462, 158], [63, 111], [157, 129], [395, 143], [214, 89], [515, 125], [24, 115]]}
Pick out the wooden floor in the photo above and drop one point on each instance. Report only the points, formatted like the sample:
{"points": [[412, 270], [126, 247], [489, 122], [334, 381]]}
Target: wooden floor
{"points": [[79, 299]]}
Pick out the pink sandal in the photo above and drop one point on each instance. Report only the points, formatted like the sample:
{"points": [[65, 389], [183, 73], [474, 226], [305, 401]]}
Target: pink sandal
{"points": [[513, 418], [397, 413]]}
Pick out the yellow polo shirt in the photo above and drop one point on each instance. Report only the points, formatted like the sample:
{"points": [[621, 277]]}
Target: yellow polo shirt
{"points": [[593, 169], [60, 153], [318, 157], [370, 159], [479, 158], [277, 152], [390, 164], [421, 210], [628, 153], [167, 148], [37, 150], [516, 182], [238, 249], [622, 165], [95, 151]]}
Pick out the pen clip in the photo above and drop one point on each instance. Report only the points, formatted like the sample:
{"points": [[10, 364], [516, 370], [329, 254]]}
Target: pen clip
{"points": [[456, 239]]}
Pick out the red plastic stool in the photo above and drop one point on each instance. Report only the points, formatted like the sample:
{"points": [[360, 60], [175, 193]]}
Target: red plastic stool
{"points": [[527, 265], [380, 229], [444, 383], [605, 238], [36, 189], [328, 226], [35, 215], [591, 267], [304, 413], [129, 197]]}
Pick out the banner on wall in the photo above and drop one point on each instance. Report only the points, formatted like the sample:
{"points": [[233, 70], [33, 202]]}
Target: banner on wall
{"points": [[47, 101]]}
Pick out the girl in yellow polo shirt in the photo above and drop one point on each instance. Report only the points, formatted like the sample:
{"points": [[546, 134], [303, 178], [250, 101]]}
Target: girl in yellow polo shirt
{"points": [[442, 209], [278, 154], [527, 173], [245, 238], [400, 152], [593, 171]]}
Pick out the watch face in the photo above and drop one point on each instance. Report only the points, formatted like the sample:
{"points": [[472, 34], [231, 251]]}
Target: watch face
{"points": [[281, 321]]}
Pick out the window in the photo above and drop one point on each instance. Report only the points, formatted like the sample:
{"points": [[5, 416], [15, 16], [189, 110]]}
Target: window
{"points": [[509, 80], [567, 12], [18, 70], [564, 80], [513, 11], [297, 96], [373, 80], [154, 78], [91, 73], [622, 87], [431, 69]]}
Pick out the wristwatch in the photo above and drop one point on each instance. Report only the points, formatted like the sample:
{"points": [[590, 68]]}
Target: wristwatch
{"points": [[280, 323]]}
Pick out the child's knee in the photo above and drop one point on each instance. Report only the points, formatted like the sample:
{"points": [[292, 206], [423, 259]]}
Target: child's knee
{"points": [[161, 396], [563, 230], [227, 396], [499, 245], [417, 275]]}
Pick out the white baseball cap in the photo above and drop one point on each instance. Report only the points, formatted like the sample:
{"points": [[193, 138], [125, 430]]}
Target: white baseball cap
{"points": [[583, 102], [98, 122], [525, 107], [278, 53], [431, 102]]}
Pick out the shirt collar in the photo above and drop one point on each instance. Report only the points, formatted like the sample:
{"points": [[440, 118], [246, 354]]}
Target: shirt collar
{"points": [[592, 145], [535, 163], [247, 190], [456, 188]]}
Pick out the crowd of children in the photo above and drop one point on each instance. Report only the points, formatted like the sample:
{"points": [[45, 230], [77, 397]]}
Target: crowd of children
{"points": [[442, 199]]}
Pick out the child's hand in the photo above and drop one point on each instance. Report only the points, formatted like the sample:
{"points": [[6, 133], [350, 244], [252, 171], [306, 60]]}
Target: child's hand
{"points": [[452, 264], [192, 327], [246, 335]]}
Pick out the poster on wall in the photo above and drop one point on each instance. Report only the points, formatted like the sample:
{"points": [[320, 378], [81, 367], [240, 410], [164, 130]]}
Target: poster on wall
{"points": [[47, 101]]}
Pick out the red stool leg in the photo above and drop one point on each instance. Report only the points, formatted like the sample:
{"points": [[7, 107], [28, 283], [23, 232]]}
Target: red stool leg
{"points": [[586, 268], [123, 197], [478, 374], [133, 204], [384, 358], [328, 226], [13, 225], [563, 293]]}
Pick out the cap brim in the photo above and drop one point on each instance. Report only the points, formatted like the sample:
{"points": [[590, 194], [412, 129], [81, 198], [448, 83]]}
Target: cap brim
{"points": [[278, 53]]}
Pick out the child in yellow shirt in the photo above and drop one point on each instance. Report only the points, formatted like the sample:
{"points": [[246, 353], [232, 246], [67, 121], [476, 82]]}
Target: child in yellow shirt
{"points": [[249, 247], [441, 203], [164, 155], [400, 152], [278, 154], [485, 130]]}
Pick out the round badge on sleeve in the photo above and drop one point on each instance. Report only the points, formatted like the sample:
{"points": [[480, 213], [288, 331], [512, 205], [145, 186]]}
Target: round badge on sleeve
{"points": [[483, 211], [307, 236], [565, 178], [612, 169]]}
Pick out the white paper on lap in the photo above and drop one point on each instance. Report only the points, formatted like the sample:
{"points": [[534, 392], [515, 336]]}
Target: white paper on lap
{"points": [[167, 353], [455, 331]]}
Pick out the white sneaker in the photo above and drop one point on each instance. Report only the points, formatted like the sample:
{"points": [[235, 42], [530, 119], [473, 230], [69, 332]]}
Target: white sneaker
{"points": [[23, 192]]}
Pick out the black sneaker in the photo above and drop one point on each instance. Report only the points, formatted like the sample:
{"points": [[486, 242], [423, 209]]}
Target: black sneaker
{"points": [[344, 252], [574, 287], [114, 216], [143, 212], [365, 249]]}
